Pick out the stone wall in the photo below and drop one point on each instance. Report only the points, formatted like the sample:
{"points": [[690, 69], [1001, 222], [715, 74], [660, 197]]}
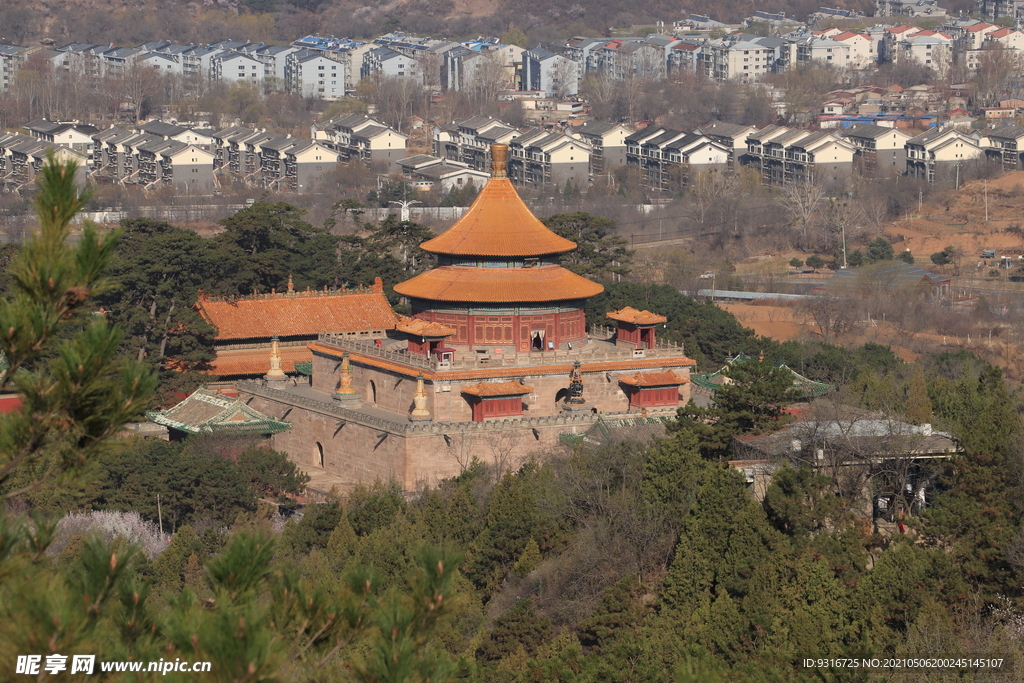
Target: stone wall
{"points": [[359, 451], [353, 452]]}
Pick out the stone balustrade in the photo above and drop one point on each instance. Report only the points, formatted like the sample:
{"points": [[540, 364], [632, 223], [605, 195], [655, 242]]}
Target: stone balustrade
{"points": [[586, 353]]}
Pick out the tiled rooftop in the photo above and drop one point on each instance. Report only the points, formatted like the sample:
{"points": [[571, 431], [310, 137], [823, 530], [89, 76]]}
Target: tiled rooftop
{"points": [[251, 362], [654, 379], [498, 224], [497, 389], [631, 315], [298, 314], [499, 285]]}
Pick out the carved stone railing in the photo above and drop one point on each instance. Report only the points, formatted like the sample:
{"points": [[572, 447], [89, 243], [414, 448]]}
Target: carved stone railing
{"points": [[470, 360]]}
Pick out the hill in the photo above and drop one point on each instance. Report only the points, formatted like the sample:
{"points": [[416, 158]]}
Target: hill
{"points": [[124, 23]]}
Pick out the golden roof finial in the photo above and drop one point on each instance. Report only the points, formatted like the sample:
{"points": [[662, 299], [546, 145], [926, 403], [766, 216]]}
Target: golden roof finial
{"points": [[499, 160]]}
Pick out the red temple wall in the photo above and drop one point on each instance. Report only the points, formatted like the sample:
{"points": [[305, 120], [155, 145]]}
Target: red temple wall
{"points": [[511, 330]]}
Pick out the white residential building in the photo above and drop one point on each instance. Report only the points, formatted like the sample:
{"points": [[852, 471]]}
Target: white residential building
{"points": [[862, 52], [548, 73], [311, 74], [12, 57], [238, 67], [743, 57], [383, 62], [359, 137], [934, 50], [941, 148], [346, 52], [539, 158]]}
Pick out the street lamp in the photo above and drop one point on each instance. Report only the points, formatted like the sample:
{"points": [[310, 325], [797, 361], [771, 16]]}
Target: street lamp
{"points": [[405, 204]]}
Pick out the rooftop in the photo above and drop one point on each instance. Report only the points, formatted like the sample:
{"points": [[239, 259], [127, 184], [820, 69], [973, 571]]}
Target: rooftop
{"points": [[599, 353], [205, 412], [498, 224], [635, 317], [298, 313], [499, 285]]}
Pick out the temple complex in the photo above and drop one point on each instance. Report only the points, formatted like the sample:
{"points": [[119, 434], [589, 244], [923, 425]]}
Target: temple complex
{"points": [[496, 362]]}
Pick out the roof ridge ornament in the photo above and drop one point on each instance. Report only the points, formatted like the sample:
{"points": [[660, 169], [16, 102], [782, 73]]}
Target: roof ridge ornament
{"points": [[499, 161]]}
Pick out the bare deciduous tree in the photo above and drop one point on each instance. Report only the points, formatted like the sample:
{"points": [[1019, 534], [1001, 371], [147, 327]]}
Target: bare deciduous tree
{"points": [[802, 201], [834, 315]]}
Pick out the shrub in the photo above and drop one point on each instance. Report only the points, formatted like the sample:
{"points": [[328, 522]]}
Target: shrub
{"points": [[109, 524]]}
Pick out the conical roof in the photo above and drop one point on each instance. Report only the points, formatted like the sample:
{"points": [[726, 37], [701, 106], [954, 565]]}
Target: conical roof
{"points": [[498, 224]]}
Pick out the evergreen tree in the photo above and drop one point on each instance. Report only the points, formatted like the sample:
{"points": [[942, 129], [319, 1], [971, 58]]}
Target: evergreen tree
{"points": [[262, 245], [880, 250], [512, 520], [599, 251], [374, 507], [270, 472], [520, 626], [976, 517], [78, 390], [159, 270], [751, 401]]}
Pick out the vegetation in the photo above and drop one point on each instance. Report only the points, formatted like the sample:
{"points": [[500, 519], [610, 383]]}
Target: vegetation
{"points": [[632, 561]]}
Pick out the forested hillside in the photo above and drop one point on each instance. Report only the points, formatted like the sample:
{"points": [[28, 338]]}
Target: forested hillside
{"points": [[106, 21], [617, 558]]}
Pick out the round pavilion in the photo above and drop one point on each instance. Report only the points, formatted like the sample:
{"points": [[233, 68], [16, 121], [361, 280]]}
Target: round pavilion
{"points": [[498, 282]]}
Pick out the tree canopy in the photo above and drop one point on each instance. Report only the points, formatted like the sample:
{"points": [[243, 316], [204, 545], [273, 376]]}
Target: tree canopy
{"points": [[599, 253]]}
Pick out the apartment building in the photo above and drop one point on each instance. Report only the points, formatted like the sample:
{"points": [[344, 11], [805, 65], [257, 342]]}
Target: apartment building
{"points": [[312, 74], [469, 141], [479, 65], [1006, 146], [201, 137], [585, 53], [784, 155], [669, 159], [230, 151], [743, 57], [425, 173], [349, 53], [881, 150], [169, 163], [817, 47], [684, 58], [936, 151], [929, 48], [545, 160], [360, 137], [730, 136], [77, 136], [1000, 9], [22, 158], [607, 144], [12, 58], [546, 72], [237, 67], [924, 9]]}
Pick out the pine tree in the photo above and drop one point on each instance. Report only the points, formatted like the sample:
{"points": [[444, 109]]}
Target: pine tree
{"points": [[511, 523], [77, 391], [520, 626]]}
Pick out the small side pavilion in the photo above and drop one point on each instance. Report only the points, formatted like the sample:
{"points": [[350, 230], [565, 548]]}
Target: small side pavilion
{"points": [[207, 412]]}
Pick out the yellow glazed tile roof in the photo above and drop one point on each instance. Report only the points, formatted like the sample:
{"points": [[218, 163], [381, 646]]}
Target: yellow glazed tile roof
{"points": [[498, 224], [461, 283]]}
